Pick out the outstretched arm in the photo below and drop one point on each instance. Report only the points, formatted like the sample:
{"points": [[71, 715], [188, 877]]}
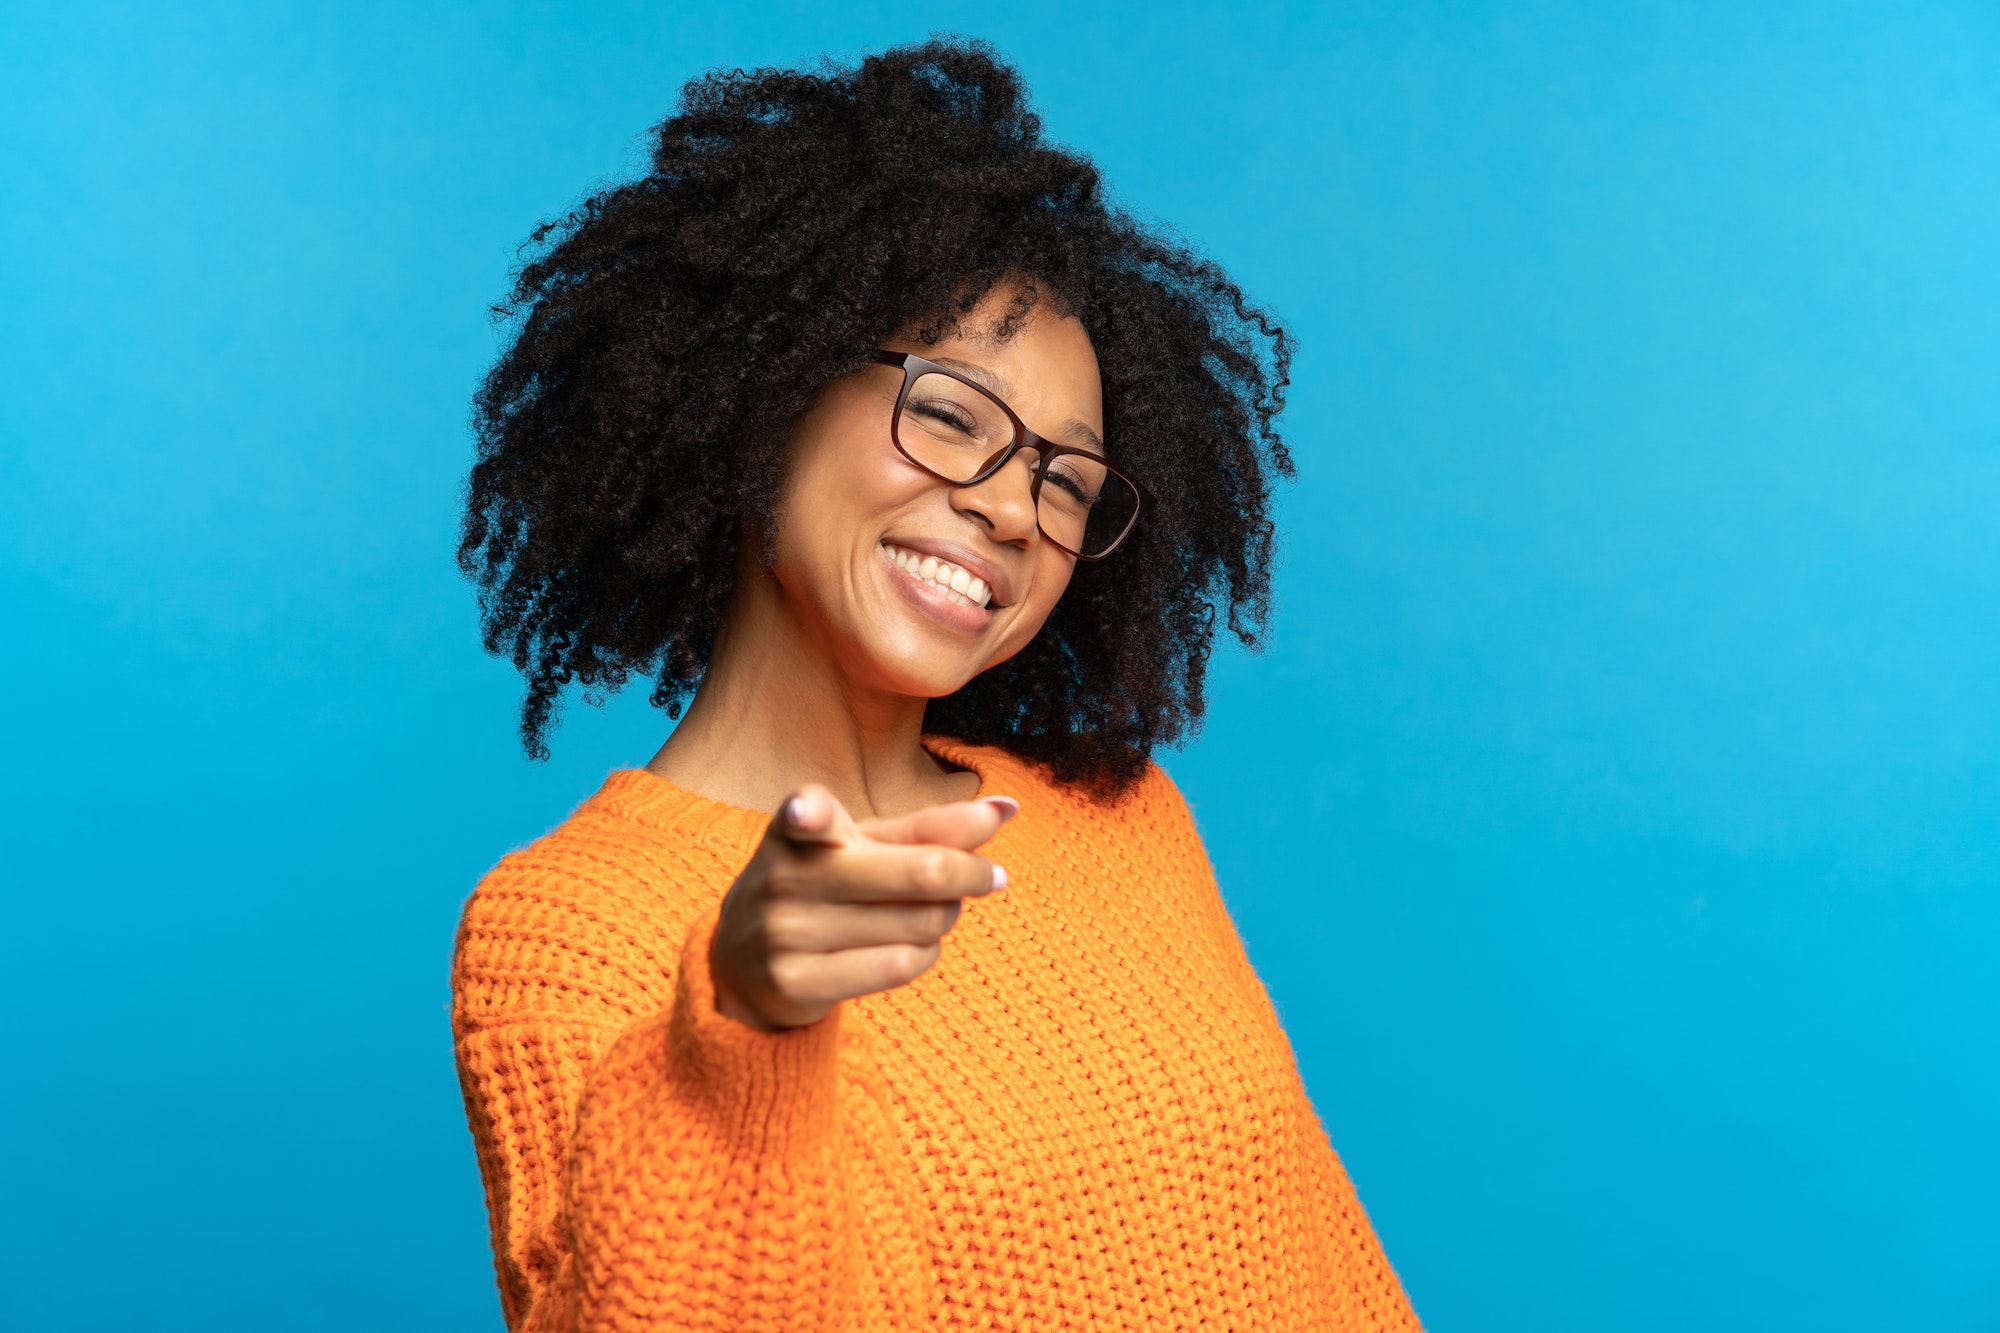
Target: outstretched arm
{"points": [[653, 1162]]}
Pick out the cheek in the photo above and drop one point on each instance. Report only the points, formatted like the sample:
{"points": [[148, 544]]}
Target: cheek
{"points": [[1053, 570], [840, 488]]}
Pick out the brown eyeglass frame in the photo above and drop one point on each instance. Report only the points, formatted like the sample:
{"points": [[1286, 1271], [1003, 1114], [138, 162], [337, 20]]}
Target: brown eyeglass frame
{"points": [[1046, 451]]}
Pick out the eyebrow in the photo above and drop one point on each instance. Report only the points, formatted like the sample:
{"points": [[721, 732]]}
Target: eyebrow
{"points": [[1083, 435], [1076, 430]]}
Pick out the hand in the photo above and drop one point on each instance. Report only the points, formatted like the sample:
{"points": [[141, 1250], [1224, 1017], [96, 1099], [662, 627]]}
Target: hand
{"points": [[828, 909]]}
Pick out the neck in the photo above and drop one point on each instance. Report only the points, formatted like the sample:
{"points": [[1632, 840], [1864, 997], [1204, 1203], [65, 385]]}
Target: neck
{"points": [[776, 710]]}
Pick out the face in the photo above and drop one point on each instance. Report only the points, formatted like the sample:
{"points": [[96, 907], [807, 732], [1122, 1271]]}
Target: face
{"points": [[877, 556]]}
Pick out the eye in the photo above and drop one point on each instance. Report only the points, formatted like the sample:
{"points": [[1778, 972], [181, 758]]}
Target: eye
{"points": [[1073, 486], [944, 412]]}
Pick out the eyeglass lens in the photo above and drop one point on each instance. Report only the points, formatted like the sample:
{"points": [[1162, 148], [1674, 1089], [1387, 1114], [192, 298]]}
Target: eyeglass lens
{"points": [[954, 430]]}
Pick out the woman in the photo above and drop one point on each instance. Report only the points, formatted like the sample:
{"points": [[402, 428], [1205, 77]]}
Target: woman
{"points": [[895, 991]]}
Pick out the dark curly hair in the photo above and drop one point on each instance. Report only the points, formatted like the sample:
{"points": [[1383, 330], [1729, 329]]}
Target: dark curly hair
{"points": [[670, 330]]}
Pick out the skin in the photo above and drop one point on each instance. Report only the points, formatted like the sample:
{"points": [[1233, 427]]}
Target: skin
{"points": [[813, 704]]}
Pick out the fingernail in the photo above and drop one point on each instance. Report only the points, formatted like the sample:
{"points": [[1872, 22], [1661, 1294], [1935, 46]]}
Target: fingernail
{"points": [[795, 811], [999, 878], [1006, 805]]}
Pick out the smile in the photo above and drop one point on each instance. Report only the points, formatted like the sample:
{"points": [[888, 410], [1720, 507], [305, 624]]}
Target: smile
{"points": [[948, 578]]}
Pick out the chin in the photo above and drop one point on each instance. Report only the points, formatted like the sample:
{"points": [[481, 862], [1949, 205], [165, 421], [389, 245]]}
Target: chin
{"points": [[907, 679], [915, 669]]}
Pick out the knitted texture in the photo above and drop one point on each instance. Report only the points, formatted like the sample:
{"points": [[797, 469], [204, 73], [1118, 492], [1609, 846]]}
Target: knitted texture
{"points": [[1085, 1116]]}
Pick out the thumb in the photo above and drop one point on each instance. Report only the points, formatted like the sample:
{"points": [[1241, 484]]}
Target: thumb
{"points": [[811, 816]]}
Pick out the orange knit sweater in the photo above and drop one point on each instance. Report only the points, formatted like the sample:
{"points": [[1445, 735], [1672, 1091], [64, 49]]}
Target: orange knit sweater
{"points": [[1085, 1116]]}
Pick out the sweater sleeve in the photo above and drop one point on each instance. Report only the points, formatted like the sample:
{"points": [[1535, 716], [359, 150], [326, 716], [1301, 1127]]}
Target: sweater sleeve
{"points": [[1366, 1294], [683, 1171]]}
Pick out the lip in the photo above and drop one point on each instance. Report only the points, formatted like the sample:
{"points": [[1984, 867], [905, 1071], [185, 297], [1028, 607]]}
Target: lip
{"points": [[961, 618], [998, 584]]}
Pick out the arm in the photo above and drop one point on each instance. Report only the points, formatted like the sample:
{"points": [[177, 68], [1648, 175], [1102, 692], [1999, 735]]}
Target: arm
{"points": [[698, 1174], [661, 1156]]}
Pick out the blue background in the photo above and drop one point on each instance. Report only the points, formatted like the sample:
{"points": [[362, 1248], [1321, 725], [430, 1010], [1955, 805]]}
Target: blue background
{"points": [[1615, 816]]}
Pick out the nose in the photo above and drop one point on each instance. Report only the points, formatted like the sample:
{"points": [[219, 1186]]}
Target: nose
{"points": [[1004, 502]]}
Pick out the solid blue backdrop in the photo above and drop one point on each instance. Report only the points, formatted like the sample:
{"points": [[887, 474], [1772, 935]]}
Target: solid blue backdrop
{"points": [[1615, 816]]}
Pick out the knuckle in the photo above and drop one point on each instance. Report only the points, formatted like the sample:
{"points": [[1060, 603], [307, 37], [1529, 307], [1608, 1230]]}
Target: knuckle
{"points": [[787, 926], [789, 974], [932, 871], [904, 963], [788, 878]]}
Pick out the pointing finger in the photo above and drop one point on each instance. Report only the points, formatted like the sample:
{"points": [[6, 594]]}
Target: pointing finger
{"points": [[961, 824]]}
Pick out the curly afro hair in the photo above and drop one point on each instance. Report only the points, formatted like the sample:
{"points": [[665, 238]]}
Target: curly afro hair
{"points": [[668, 332]]}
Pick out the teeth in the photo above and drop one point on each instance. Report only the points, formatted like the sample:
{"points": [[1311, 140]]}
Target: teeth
{"points": [[956, 583]]}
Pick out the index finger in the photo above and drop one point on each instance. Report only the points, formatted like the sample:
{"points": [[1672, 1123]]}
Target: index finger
{"points": [[961, 824]]}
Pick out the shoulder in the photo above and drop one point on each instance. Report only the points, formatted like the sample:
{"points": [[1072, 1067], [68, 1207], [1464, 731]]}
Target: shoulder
{"points": [[1074, 851], [1151, 809], [636, 828], [599, 905]]}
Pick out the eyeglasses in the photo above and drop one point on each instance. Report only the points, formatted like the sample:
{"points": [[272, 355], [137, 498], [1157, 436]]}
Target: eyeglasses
{"points": [[961, 433]]}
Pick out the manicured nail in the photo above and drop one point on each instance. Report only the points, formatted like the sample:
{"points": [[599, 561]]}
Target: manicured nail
{"points": [[1006, 805], [795, 811], [999, 878]]}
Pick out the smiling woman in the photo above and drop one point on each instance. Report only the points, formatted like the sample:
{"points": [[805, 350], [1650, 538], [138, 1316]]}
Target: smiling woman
{"points": [[863, 482], [919, 475]]}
